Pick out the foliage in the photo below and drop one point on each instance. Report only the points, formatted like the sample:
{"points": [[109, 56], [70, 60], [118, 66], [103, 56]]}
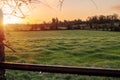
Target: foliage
{"points": [[69, 48], [101, 22], [104, 19]]}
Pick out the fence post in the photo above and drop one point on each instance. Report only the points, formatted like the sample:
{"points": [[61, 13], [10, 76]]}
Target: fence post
{"points": [[2, 53]]}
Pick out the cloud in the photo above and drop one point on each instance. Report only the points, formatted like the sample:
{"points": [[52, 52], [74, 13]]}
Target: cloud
{"points": [[117, 8]]}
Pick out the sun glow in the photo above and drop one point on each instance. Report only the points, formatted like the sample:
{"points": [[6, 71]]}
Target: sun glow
{"points": [[11, 20], [13, 15]]}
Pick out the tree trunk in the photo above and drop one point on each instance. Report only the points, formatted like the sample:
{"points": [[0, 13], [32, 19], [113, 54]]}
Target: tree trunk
{"points": [[2, 53]]}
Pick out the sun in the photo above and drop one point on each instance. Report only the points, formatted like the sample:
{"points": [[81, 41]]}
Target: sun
{"points": [[11, 19], [11, 15]]}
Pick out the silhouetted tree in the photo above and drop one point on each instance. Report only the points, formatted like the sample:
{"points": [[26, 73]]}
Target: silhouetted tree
{"points": [[54, 24], [2, 53]]}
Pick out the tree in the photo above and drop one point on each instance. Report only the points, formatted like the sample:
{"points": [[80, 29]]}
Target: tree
{"points": [[2, 53], [54, 23], [102, 19]]}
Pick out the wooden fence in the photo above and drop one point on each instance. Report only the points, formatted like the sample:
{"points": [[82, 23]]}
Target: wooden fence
{"points": [[62, 69]]}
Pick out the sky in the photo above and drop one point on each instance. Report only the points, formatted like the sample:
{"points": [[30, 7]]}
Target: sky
{"points": [[71, 9]]}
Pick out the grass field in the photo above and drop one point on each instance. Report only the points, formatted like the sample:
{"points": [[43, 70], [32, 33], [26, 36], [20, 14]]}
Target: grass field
{"points": [[69, 48]]}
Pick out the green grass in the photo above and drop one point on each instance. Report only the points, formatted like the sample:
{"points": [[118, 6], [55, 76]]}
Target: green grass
{"points": [[69, 48]]}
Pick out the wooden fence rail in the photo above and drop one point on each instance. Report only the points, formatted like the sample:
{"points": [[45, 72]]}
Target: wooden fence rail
{"points": [[62, 69]]}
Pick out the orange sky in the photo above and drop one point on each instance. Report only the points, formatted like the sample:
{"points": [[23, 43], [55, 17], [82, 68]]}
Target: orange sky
{"points": [[72, 9]]}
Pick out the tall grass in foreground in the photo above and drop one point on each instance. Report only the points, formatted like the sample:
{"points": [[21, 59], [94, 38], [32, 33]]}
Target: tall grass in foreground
{"points": [[69, 48]]}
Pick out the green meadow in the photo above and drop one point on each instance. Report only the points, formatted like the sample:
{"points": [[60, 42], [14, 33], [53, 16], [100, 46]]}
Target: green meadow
{"points": [[65, 47]]}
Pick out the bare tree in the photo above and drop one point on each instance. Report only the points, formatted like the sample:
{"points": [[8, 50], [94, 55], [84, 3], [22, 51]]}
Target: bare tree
{"points": [[2, 53]]}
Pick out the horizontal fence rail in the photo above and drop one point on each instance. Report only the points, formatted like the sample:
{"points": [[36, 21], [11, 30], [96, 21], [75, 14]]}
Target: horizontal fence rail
{"points": [[62, 69]]}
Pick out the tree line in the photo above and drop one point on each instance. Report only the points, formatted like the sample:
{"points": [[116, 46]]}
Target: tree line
{"points": [[101, 22]]}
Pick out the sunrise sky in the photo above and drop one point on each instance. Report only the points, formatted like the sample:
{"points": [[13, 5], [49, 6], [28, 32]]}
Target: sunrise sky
{"points": [[71, 9]]}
